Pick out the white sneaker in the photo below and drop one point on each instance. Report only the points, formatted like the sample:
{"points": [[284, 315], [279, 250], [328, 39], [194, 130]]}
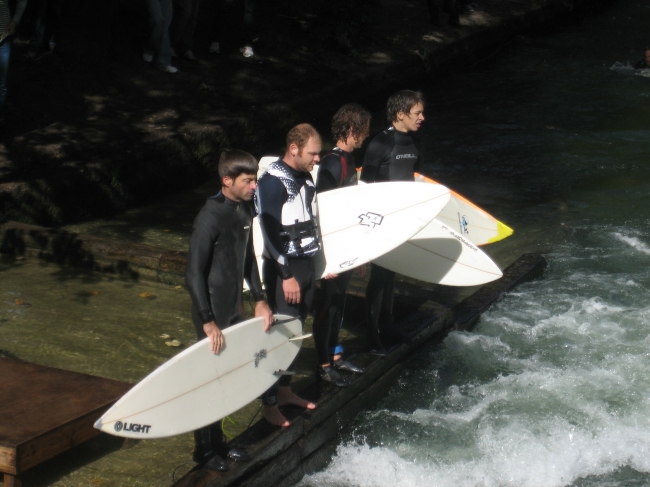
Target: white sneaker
{"points": [[247, 51], [189, 55], [147, 57], [168, 69], [172, 51], [215, 48]]}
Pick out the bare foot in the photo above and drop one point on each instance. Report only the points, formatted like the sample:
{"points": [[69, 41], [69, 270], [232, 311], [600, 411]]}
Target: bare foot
{"points": [[287, 397], [273, 415]]}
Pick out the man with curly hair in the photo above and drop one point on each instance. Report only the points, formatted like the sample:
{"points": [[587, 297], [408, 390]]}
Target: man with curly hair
{"points": [[337, 169]]}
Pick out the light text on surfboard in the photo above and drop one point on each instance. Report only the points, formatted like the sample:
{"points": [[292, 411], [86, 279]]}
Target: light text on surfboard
{"points": [[134, 427]]}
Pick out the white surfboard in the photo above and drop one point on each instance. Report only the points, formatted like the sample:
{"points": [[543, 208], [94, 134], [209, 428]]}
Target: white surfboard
{"points": [[360, 223], [460, 214], [439, 255], [196, 387]]}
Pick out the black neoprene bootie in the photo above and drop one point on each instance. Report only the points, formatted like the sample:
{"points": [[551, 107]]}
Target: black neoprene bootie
{"points": [[346, 366], [329, 374]]}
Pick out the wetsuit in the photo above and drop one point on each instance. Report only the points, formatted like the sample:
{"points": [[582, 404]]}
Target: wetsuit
{"points": [[391, 156], [287, 210], [641, 65], [337, 169], [221, 256]]}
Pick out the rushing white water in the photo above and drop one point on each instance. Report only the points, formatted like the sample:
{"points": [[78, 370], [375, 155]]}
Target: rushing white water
{"points": [[552, 387]]}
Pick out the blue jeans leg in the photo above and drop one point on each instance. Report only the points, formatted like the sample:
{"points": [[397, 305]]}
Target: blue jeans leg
{"points": [[160, 17], [5, 56]]}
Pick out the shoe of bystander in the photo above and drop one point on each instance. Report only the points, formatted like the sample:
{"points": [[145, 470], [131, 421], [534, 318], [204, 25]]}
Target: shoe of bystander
{"points": [[247, 51]]}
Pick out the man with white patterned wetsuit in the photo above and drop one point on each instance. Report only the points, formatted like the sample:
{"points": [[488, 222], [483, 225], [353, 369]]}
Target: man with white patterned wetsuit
{"points": [[285, 200], [393, 155]]}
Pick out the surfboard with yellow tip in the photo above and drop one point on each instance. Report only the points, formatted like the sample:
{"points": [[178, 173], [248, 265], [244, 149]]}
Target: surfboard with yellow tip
{"points": [[468, 219]]}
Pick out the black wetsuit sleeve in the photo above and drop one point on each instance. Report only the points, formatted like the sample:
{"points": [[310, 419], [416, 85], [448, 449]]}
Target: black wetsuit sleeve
{"points": [[251, 272], [376, 155], [329, 173], [271, 197], [199, 260]]}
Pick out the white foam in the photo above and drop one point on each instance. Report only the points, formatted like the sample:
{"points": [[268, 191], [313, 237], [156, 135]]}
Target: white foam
{"points": [[633, 242], [622, 68]]}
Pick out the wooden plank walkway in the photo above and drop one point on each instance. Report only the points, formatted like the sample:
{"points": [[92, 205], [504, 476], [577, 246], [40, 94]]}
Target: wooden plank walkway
{"points": [[46, 411]]}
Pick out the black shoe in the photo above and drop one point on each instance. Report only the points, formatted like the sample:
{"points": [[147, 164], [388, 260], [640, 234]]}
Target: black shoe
{"points": [[347, 366], [238, 455], [379, 352], [330, 375], [210, 459], [217, 463]]}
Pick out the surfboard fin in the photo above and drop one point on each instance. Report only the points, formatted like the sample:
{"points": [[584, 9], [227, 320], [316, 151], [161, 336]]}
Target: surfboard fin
{"points": [[282, 322], [279, 373], [300, 337]]}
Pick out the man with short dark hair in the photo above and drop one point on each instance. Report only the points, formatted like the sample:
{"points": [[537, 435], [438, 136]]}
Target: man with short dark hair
{"points": [[287, 213], [393, 155], [220, 257], [337, 169]]}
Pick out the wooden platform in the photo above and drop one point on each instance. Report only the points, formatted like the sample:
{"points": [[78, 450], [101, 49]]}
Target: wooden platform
{"points": [[46, 411]]}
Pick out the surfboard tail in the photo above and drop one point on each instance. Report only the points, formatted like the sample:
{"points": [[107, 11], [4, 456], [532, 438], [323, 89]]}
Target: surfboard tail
{"points": [[503, 231]]}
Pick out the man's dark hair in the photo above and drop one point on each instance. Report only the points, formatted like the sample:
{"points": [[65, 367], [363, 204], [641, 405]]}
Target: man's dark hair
{"points": [[351, 118], [301, 134], [402, 101], [234, 162]]}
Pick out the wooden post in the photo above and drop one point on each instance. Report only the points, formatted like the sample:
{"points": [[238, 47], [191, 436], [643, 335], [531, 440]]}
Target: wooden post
{"points": [[12, 481]]}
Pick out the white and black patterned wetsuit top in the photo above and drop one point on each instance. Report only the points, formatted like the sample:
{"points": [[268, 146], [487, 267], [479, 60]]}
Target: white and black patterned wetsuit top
{"points": [[391, 156], [287, 210]]}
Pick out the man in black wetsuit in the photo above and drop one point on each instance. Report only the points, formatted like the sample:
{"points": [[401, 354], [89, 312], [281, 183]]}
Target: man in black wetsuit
{"points": [[393, 155], [284, 199], [337, 169], [220, 257]]}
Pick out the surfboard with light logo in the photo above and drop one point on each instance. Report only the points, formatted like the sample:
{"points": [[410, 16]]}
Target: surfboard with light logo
{"points": [[196, 387]]}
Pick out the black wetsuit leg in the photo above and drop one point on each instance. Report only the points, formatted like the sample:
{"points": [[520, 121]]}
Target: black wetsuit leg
{"points": [[327, 316], [210, 437], [302, 269], [379, 302]]}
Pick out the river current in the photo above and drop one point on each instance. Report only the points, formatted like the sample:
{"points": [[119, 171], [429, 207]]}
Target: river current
{"points": [[552, 387]]}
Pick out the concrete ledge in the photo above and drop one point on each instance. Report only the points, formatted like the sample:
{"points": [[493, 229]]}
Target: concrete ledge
{"points": [[100, 254]]}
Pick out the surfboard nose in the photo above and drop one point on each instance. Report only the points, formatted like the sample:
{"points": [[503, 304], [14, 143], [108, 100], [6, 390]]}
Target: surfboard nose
{"points": [[98, 424]]}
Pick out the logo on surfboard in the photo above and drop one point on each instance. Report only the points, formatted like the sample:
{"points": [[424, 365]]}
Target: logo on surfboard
{"points": [[259, 356], [464, 222], [347, 263], [370, 219], [136, 428]]}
